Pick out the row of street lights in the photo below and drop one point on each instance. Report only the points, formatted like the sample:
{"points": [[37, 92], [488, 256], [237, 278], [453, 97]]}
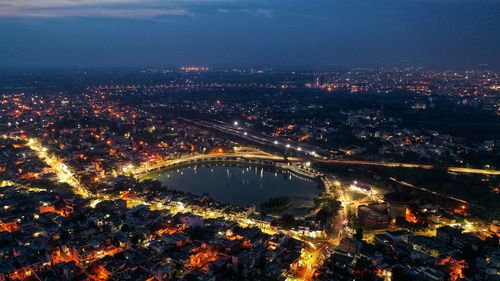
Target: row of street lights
{"points": [[313, 153]]}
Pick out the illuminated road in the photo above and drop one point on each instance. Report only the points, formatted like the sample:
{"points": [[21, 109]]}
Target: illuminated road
{"points": [[201, 158], [473, 171], [407, 165], [313, 153], [428, 191], [289, 146], [373, 163], [62, 171], [310, 260]]}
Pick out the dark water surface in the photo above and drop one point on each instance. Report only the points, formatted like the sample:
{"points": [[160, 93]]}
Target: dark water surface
{"points": [[242, 186]]}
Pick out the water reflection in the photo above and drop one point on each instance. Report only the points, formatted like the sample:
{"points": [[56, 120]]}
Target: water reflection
{"points": [[243, 186]]}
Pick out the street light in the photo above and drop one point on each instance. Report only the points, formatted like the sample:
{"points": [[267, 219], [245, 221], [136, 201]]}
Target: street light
{"points": [[236, 123]]}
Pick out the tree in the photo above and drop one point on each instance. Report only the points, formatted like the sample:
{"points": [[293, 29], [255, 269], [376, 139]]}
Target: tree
{"points": [[334, 205], [329, 208], [287, 221], [359, 234]]}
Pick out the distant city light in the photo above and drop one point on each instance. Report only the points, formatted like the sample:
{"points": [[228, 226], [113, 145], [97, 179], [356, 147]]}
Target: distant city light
{"points": [[194, 68]]}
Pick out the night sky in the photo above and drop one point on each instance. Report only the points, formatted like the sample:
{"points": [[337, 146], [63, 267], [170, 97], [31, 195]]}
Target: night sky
{"points": [[231, 33]]}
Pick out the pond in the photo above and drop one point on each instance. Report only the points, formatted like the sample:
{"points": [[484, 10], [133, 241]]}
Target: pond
{"points": [[243, 185]]}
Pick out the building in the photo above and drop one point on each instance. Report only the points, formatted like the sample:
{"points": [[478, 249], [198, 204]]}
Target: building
{"points": [[398, 203], [373, 215]]}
